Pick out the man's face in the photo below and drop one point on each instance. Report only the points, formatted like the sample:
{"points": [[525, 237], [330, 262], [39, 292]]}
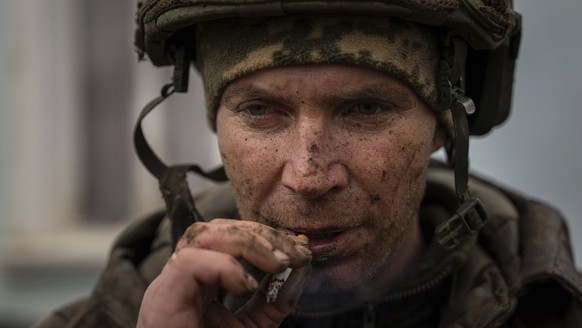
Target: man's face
{"points": [[336, 152]]}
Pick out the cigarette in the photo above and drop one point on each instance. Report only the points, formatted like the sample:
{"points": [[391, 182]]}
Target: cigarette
{"points": [[276, 283], [279, 279]]}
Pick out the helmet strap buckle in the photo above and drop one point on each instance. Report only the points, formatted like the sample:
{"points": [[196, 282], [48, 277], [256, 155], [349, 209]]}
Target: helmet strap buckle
{"points": [[468, 219]]}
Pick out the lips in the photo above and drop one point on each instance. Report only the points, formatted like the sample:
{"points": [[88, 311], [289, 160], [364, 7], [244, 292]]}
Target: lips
{"points": [[316, 235], [331, 245]]}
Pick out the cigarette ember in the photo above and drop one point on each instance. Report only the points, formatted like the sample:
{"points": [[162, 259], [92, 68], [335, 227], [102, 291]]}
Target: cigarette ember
{"points": [[276, 283], [302, 236]]}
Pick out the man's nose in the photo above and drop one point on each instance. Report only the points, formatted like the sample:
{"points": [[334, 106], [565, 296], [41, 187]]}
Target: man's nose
{"points": [[314, 166]]}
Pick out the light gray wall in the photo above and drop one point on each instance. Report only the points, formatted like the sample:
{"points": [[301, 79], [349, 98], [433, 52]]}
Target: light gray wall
{"points": [[539, 149]]}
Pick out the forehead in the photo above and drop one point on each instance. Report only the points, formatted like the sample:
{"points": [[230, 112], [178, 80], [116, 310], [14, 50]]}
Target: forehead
{"points": [[324, 82]]}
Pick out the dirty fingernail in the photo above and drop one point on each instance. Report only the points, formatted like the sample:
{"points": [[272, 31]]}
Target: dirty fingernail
{"points": [[282, 257]]}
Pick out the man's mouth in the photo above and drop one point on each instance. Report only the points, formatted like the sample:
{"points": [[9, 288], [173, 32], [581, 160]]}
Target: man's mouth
{"points": [[313, 236], [329, 245]]}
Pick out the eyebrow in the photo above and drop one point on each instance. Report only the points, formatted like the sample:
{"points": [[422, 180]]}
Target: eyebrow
{"points": [[383, 92], [370, 92], [245, 91]]}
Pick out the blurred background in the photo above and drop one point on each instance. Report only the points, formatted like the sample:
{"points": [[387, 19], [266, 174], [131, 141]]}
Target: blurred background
{"points": [[71, 88]]}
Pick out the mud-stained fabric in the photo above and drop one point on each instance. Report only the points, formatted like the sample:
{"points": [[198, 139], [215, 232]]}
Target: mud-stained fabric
{"points": [[232, 48]]}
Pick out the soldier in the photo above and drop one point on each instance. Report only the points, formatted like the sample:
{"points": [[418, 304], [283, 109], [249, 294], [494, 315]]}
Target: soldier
{"points": [[327, 113]]}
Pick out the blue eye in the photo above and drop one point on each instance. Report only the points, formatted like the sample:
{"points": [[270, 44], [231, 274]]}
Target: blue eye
{"points": [[257, 110], [368, 108]]}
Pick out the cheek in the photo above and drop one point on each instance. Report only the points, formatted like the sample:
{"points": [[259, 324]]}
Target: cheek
{"points": [[250, 164], [391, 158], [416, 141]]}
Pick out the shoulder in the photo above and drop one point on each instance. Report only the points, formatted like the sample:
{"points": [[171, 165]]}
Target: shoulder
{"points": [[522, 267]]}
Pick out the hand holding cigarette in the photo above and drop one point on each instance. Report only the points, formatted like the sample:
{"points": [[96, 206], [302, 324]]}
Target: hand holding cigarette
{"points": [[279, 279], [207, 259]]}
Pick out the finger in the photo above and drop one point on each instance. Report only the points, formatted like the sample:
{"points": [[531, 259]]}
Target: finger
{"points": [[259, 313], [285, 241], [238, 243], [243, 241], [190, 269]]}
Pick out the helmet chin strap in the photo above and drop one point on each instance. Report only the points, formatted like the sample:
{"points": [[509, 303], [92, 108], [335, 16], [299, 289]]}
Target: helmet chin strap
{"points": [[468, 219], [470, 216], [180, 207]]}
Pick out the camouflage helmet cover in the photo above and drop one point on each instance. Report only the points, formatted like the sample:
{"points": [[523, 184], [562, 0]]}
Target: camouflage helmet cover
{"points": [[490, 28]]}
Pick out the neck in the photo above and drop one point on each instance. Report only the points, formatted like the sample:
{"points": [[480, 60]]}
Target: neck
{"points": [[402, 261]]}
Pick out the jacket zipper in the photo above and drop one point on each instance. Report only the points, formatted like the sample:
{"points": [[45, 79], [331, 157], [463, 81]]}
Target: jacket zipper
{"points": [[373, 305], [370, 315]]}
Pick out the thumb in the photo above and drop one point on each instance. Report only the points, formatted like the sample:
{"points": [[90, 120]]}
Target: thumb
{"points": [[259, 313]]}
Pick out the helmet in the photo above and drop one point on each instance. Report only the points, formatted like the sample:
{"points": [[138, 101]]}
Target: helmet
{"points": [[491, 28]]}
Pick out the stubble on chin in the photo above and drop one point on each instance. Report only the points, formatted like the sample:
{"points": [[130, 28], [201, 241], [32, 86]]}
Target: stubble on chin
{"points": [[350, 271]]}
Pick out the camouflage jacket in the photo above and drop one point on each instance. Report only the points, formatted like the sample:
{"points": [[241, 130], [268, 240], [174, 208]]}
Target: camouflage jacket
{"points": [[519, 272]]}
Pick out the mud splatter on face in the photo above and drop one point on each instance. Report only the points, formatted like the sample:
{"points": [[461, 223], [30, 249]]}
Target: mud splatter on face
{"points": [[313, 162], [313, 148]]}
